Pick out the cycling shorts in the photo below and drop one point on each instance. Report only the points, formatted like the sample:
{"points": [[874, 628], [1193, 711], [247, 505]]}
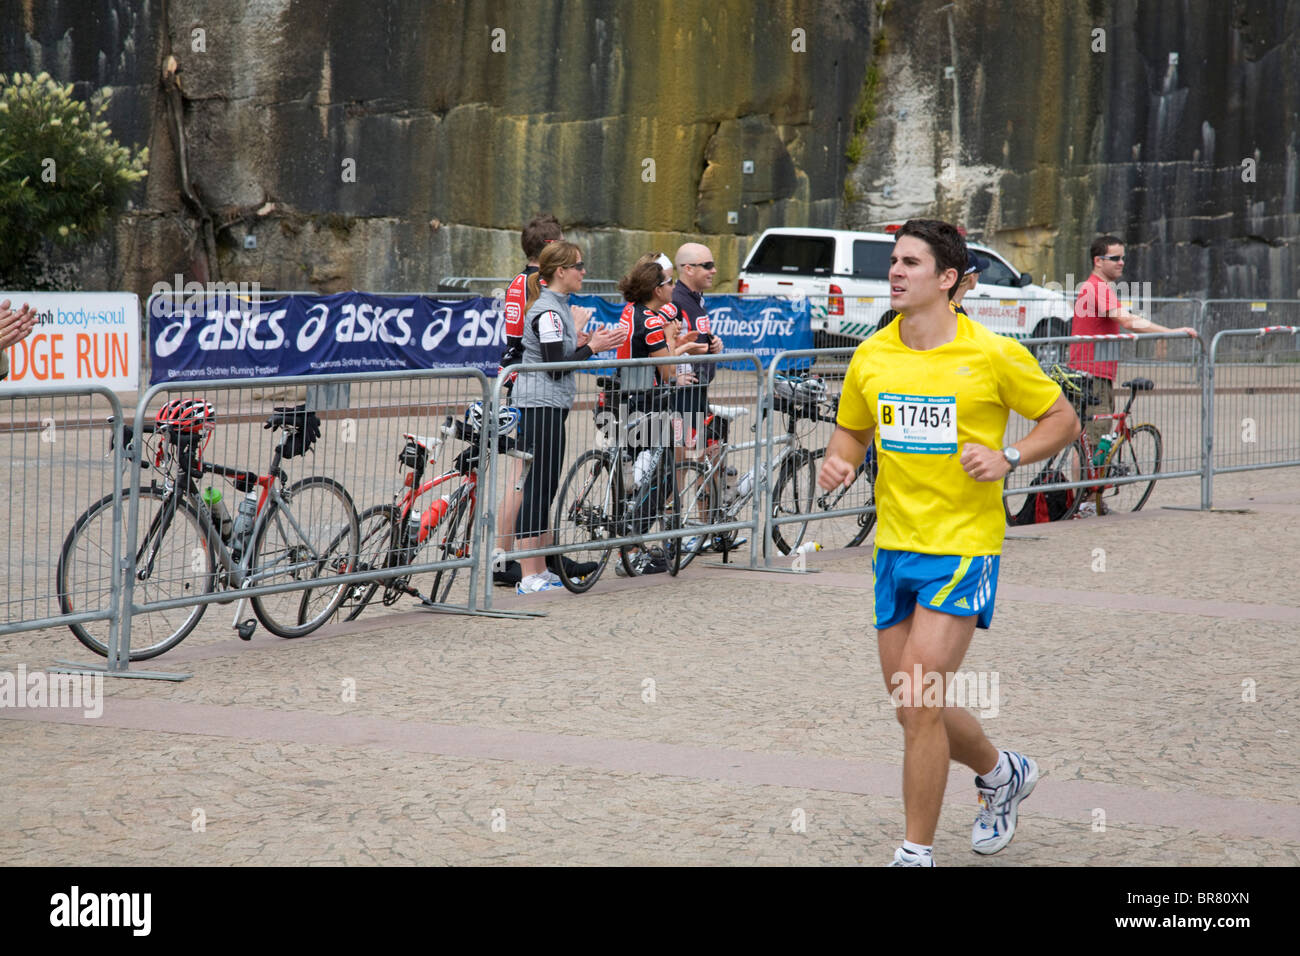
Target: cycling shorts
{"points": [[948, 583]]}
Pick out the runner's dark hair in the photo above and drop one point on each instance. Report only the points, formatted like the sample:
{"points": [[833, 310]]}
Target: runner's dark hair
{"points": [[945, 242]]}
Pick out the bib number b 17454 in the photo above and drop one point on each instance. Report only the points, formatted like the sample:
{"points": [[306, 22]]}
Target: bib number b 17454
{"points": [[918, 424]]}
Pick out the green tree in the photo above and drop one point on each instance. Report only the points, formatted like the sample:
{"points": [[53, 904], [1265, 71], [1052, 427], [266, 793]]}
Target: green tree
{"points": [[62, 175]]}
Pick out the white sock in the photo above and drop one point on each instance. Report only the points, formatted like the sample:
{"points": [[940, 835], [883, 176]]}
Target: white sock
{"points": [[1000, 775], [917, 849]]}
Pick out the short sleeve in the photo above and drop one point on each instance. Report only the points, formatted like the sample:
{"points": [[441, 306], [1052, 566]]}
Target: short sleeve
{"points": [[550, 327], [1022, 385], [856, 412], [1107, 301]]}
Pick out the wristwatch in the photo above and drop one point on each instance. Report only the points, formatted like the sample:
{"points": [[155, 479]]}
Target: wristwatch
{"points": [[1012, 455]]}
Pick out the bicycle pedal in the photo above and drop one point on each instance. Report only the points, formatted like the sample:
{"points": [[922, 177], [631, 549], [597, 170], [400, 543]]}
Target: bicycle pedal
{"points": [[246, 628]]}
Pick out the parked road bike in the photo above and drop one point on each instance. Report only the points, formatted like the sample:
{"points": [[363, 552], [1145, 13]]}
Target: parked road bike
{"points": [[416, 529], [1116, 469], [630, 488], [803, 399], [301, 533]]}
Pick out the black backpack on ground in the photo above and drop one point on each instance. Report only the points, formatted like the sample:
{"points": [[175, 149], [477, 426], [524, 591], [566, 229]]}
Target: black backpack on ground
{"points": [[1043, 506]]}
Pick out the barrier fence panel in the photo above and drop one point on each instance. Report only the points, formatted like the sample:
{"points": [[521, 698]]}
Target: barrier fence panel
{"points": [[298, 501], [1162, 436], [800, 403], [1253, 415], [1223, 315], [57, 462], [631, 479]]}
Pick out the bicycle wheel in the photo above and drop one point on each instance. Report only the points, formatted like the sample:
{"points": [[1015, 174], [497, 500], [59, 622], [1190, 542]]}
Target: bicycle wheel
{"points": [[587, 512], [312, 536], [1067, 462], [453, 540], [796, 493], [655, 509], [700, 494], [174, 556], [376, 551], [1139, 454]]}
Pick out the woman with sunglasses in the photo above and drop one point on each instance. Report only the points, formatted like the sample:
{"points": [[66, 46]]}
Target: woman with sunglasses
{"points": [[648, 321], [544, 398]]}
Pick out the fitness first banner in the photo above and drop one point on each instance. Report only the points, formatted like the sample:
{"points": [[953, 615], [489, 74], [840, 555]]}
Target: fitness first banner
{"points": [[226, 337]]}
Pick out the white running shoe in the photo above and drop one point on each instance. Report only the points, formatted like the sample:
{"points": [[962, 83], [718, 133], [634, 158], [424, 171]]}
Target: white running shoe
{"points": [[535, 583], [552, 577], [906, 858], [995, 824]]}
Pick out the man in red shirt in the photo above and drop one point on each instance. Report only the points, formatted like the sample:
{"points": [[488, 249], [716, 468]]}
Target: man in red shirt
{"points": [[1097, 311]]}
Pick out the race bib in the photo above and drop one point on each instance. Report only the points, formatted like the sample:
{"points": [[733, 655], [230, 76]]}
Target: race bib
{"points": [[917, 424]]}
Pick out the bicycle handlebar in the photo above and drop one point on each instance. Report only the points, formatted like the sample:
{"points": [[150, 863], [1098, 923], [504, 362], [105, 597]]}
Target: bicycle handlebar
{"points": [[505, 444]]}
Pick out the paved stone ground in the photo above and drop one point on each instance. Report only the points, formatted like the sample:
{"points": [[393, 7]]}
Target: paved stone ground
{"points": [[531, 741]]}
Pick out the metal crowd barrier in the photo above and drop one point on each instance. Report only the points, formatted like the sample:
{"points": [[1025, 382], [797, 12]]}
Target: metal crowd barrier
{"points": [[632, 439], [64, 459], [797, 430], [1252, 409], [321, 541], [55, 445], [1174, 406]]}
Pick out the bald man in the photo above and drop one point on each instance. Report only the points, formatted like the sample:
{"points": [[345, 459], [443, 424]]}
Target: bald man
{"points": [[14, 327], [695, 272]]}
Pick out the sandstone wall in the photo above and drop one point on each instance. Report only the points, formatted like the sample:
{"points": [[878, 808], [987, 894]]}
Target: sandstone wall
{"points": [[1036, 141]]}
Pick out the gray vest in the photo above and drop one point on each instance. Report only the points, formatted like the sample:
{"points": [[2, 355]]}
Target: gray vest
{"points": [[538, 389]]}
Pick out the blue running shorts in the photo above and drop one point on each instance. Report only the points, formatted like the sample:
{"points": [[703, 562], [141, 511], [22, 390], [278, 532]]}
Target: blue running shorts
{"points": [[949, 583]]}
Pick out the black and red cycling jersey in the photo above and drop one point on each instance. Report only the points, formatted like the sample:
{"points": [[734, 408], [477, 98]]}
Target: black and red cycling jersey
{"points": [[516, 297], [645, 336]]}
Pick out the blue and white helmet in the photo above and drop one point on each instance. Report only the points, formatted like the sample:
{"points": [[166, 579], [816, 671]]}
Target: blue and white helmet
{"points": [[507, 418]]}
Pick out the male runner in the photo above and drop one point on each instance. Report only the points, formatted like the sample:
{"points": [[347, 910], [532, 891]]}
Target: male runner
{"points": [[933, 390]]}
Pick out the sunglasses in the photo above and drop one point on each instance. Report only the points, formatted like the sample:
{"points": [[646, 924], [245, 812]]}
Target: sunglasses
{"points": [[700, 265], [579, 266], [666, 282], [1112, 258]]}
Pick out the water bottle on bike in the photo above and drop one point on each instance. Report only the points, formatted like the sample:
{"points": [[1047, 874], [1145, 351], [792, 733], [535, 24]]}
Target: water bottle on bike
{"points": [[243, 525], [220, 514], [1103, 448]]}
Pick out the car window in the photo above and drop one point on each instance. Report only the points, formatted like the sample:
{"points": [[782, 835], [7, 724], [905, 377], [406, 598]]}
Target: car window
{"points": [[795, 255], [871, 259], [999, 274]]}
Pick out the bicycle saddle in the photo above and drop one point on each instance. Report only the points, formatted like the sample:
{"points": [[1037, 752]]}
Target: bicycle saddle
{"points": [[1139, 384], [729, 412], [424, 441], [286, 416]]}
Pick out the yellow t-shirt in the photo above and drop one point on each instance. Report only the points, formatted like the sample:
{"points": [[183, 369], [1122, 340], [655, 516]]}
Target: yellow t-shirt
{"points": [[925, 407]]}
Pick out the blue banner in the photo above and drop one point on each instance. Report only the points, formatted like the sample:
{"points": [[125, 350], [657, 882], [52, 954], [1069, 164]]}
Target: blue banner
{"points": [[222, 338]]}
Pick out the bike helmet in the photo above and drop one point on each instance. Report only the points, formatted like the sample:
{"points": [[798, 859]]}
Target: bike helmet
{"points": [[507, 418], [811, 389], [185, 415]]}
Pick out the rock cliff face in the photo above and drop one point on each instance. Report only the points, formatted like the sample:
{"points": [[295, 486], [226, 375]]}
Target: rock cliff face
{"points": [[1173, 125], [387, 144]]}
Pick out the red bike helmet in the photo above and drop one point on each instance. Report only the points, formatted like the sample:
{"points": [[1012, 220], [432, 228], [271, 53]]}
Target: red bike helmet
{"points": [[185, 415]]}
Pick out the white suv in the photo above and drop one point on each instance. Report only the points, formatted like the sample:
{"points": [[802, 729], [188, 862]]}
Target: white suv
{"points": [[845, 275]]}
